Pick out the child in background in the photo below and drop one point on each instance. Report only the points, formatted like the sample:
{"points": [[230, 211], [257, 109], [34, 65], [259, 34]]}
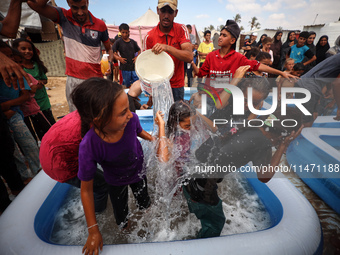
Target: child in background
{"points": [[111, 141], [30, 109], [10, 100], [34, 66], [298, 70], [128, 50], [300, 50], [205, 47], [252, 53], [267, 43], [263, 58]]}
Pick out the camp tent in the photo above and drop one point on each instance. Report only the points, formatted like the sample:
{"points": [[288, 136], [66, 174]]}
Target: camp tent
{"points": [[140, 27]]}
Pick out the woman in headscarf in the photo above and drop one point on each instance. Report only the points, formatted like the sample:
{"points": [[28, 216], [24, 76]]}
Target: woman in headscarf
{"points": [[335, 49], [276, 48], [311, 46], [321, 48], [291, 40], [259, 44]]}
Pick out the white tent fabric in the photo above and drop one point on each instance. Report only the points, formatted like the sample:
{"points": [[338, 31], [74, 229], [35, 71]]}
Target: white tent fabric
{"points": [[150, 18], [29, 18]]}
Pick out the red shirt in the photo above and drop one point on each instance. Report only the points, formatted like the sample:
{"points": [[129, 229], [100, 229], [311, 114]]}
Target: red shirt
{"points": [[82, 44], [178, 35], [60, 147], [215, 66]]}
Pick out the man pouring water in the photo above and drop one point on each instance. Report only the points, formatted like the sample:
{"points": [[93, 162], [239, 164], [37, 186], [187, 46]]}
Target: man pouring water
{"points": [[174, 39]]}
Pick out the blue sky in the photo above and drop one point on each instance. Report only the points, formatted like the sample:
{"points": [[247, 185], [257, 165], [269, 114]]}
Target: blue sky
{"points": [[289, 14]]}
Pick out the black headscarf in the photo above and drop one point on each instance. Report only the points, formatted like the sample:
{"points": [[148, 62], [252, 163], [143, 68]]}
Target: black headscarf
{"points": [[259, 44], [321, 50], [287, 42], [276, 48]]}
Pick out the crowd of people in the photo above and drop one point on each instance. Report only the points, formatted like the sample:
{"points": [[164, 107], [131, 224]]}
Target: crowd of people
{"points": [[102, 127]]}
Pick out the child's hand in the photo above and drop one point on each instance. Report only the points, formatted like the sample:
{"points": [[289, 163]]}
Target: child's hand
{"points": [[241, 71], [144, 107], [122, 60], [94, 243], [159, 119]]}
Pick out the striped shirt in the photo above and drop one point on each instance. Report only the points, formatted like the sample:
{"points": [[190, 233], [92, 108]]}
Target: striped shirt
{"points": [[82, 44], [178, 35]]}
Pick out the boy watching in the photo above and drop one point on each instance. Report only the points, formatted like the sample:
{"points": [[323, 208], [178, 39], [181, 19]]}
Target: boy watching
{"points": [[300, 50], [128, 50]]}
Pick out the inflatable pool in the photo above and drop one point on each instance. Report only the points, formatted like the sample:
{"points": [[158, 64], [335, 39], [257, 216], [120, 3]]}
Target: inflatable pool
{"points": [[315, 157], [27, 223]]}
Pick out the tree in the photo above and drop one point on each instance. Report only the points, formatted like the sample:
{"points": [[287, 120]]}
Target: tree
{"points": [[237, 18], [241, 28], [211, 27], [103, 20], [220, 27], [279, 28], [254, 23]]}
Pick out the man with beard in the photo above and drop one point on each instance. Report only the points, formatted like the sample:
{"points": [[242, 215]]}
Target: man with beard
{"points": [[174, 39], [83, 34]]}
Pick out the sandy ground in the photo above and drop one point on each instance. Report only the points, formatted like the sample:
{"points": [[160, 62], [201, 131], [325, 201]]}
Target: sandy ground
{"points": [[329, 219], [57, 96]]}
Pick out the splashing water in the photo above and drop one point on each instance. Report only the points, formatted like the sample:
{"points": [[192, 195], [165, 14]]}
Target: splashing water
{"points": [[168, 218]]}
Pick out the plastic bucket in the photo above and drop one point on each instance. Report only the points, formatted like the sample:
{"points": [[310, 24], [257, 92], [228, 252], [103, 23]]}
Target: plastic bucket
{"points": [[151, 68]]}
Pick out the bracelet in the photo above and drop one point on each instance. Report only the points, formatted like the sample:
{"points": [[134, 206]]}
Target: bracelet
{"points": [[92, 226], [227, 90], [163, 137]]}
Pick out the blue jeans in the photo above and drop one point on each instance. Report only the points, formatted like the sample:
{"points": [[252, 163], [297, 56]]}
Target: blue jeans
{"points": [[129, 77], [26, 142], [178, 93]]}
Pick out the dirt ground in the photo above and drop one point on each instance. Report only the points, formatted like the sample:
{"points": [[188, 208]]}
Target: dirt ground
{"points": [[57, 96]]}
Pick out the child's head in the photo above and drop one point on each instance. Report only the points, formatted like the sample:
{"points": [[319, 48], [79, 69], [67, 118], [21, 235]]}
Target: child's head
{"points": [[252, 53], [196, 46], [207, 35], [289, 63], [101, 103], [247, 38], [264, 58], [180, 114], [17, 57], [260, 91], [298, 69], [124, 29], [291, 36], [302, 38], [229, 34], [266, 43], [29, 52], [189, 27], [311, 37]]}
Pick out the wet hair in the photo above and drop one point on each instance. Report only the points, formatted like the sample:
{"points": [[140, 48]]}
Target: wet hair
{"points": [[124, 26], [299, 67], [207, 32], [179, 111], [267, 40], [253, 52], [263, 55], [284, 130], [259, 84], [35, 57], [95, 98]]}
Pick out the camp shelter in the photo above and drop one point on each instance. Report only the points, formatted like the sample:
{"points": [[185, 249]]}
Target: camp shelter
{"points": [[140, 27]]}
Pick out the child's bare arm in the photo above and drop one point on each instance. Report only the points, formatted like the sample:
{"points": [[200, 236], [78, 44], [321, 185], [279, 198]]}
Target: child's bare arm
{"points": [[162, 149], [17, 101], [146, 136]]}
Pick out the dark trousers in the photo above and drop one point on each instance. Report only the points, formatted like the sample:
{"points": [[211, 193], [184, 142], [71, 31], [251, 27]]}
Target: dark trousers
{"points": [[40, 123], [49, 116], [100, 190], [8, 169], [119, 199], [178, 93]]}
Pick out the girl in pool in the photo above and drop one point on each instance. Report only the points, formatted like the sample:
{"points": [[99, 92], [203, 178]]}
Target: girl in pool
{"points": [[111, 141]]}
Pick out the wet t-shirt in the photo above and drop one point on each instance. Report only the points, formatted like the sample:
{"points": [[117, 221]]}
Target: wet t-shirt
{"points": [[122, 161]]}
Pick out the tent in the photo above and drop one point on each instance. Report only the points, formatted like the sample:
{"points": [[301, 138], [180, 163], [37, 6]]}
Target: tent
{"points": [[140, 27]]}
